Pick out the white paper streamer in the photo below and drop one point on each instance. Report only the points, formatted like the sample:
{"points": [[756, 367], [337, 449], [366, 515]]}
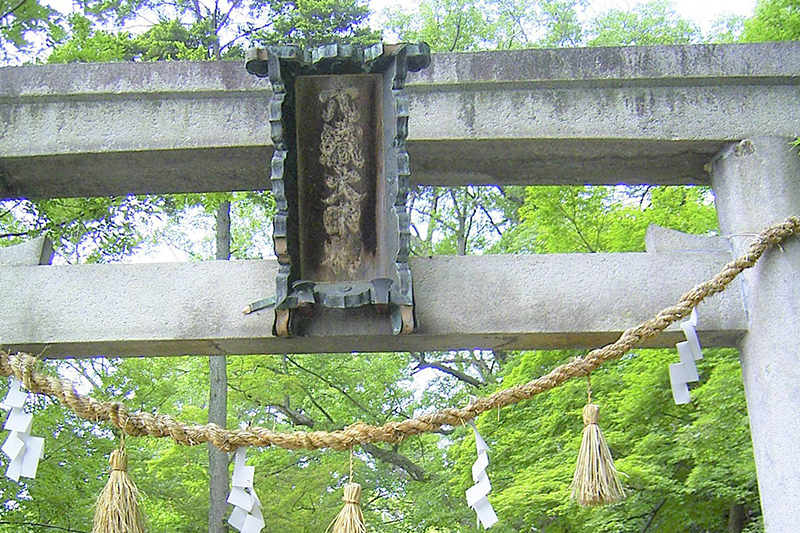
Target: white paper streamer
{"points": [[23, 450], [246, 516], [680, 374], [476, 495]]}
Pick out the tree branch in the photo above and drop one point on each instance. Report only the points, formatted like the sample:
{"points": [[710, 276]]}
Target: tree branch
{"points": [[19, 234], [197, 11], [483, 369], [491, 220], [246, 34], [458, 374], [10, 11], [317, 405], [227, 15], [399, 460], [331, 385], [43, 526], [297, 418], [573, 220], [653, 515], [517, 200], [10, 209], [458, 31]]}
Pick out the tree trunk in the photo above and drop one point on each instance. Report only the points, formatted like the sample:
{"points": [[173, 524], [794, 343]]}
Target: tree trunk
{"points": [[737, 518], [218, 400], [224, 231]]}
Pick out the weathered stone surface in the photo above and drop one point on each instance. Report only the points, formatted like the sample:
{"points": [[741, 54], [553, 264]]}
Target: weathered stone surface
{"points": [[756, 184], [38, 251], [547, 301], [659, 239], [603, 115]]}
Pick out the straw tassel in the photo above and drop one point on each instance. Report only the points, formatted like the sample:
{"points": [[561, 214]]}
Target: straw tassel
{"points": [[596, 481], [117, 508], [350, 519]]}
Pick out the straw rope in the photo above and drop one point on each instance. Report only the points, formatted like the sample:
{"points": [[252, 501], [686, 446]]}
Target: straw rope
{"points": [[146, 424]]}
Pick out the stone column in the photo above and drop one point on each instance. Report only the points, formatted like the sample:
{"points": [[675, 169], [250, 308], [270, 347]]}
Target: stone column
{"points": [[757, 183]]}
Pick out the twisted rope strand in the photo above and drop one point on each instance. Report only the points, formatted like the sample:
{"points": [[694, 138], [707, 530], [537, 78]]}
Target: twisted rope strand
{"points": [[138, 424]]}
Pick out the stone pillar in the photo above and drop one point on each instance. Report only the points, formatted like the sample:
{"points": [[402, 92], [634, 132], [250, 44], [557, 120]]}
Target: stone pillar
{"points": [[757, 183]]}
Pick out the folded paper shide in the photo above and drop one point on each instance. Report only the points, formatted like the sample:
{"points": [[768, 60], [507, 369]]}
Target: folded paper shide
{"points": [[685, 372], [246, 516], [477, 494], [23, 450]]}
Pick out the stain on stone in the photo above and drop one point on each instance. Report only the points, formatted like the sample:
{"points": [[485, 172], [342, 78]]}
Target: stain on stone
{"points": [[561, 103], [466, 112], [744, 148], [5, 182], [639, 105]]}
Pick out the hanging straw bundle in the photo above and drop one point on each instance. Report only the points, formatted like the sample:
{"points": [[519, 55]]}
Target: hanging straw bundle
{"points": [[350, 519], [596, 481], [117, 508]]}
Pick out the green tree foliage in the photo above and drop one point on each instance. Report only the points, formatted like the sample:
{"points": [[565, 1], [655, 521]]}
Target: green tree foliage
{"points": [[89, 45], [654, 22], [82, 230], [20, 20], [446, 25], [726, 30], [675, 479], [186, 27], [610, 219], [468, 25], [686, 466], [669, 453], [462, 220], [774, 20], [174, 479], [662, 449], [316, 22]]}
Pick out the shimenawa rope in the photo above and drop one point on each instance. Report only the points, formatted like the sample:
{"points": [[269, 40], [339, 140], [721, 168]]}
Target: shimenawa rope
{"points": [[137, 424]]}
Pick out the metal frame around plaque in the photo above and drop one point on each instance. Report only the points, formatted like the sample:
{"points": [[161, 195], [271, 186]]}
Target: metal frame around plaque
{"points": [[340, 178]]}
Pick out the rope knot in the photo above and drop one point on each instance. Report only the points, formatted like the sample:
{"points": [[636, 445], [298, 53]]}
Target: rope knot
{"points": [[28, 365], [118, 415], [591, 414], [23, 366], [119, 461], [352, 493]]}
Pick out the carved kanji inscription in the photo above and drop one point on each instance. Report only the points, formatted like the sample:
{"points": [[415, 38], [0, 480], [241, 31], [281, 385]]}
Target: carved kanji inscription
{"points": [[339, 172]]}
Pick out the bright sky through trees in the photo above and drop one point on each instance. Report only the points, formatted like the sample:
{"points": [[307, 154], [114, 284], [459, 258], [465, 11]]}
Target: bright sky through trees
{"points": [[702, 12]]}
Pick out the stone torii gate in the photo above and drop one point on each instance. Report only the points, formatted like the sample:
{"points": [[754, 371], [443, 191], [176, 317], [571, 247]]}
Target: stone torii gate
{"points": [[722, 115]]}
